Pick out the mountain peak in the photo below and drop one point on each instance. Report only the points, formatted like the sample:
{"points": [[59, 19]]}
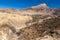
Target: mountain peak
{"points": [[41, 6]]}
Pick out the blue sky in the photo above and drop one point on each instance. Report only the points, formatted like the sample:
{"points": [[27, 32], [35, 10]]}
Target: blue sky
{"points": [[20, 4]]}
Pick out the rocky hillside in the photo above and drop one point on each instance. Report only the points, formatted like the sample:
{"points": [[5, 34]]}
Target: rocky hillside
{"points": [[36, 23]]}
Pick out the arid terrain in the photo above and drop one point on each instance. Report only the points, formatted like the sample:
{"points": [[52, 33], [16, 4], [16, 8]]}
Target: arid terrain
{"points": [[35, 23]]}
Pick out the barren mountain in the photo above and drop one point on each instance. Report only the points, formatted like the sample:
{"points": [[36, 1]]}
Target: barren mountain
{"points": [[35, 23]]}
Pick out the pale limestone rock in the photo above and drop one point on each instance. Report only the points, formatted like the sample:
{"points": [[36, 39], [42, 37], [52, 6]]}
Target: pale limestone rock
{"points": [[7, 34]]}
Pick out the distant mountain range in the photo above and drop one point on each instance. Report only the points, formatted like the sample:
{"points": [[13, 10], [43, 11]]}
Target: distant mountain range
{"points": [[42, 9]]}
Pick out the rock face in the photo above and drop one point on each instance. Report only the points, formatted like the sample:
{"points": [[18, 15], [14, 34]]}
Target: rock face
{"points": [[30, 24]]}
